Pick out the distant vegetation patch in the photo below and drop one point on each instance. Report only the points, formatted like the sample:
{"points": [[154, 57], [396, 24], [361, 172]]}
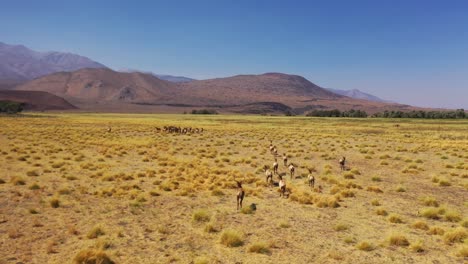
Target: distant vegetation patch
{"points": [[10, 107], [204, 112]]}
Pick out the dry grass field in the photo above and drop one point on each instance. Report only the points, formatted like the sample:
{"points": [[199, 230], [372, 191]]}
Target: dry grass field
{"points": [[71, 192]]}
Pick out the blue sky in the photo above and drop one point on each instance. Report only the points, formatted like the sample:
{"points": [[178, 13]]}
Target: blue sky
{"points": [[413, 52]]}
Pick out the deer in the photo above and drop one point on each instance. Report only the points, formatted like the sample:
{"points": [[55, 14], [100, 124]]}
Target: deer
{"points": [[240, 195]]}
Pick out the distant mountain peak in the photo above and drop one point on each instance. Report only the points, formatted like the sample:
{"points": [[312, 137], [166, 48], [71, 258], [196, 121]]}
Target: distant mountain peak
{"points": [[18, 62], [358, 94]]}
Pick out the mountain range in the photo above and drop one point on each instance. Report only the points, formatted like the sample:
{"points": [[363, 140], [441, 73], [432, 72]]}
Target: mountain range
{"points": [[92, 86]]}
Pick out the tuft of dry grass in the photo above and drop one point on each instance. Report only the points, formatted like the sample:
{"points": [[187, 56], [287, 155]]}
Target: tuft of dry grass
{"points": [[232, 238], [420, 225], [436, 230], [95, 232], [92, 256], [394, 218], [54, 202], [457, 235], [260, 248], [365, 246], [381, 211], [396, 239], [201, 215], [417, 247], [430, 201]]}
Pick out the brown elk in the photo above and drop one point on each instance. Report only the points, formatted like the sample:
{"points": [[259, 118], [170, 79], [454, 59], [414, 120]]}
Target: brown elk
{"points": [[291, 170], [282, 186], [275, 166], [342, 162], [269, 175], [240, 195], [311, 179]]}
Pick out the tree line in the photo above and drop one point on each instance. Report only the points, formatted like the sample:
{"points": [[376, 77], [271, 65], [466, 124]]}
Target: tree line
{"points": [[454, 114], [10, 107]]}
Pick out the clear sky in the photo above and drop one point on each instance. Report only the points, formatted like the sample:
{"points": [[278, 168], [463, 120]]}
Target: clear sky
{"points": [[410, 51]]}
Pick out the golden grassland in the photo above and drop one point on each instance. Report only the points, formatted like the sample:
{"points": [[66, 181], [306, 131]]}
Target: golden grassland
{"points": [[70, 192]]}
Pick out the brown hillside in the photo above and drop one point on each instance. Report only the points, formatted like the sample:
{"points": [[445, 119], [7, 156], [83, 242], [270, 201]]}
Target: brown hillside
{"points": [[101, 85], [107, 90], [36, 100]]}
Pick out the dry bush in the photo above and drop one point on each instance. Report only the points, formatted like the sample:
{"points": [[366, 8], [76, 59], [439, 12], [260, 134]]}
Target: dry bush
{"points": [[452, 215], [341, 227], [284, 225], [260, 248], [374, 189], [201, 215], [375, 202], [417, 246], [431, 213], [430, 201], [17, 181], [54, 202], [365, 246], [463, 251], [381, 211], [201, 260], [436, 230], [420, 225], [457, 235], [92, 256], [247, 210], [232, 238], [394, 218], [95, 232], [398, 240]]}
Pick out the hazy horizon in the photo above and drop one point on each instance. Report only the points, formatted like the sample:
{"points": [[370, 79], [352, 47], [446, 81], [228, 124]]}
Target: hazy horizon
{"points": [[412, 53]]}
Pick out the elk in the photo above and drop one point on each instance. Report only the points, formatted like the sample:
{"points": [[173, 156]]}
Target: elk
{"points": [[291, 170], [282, 186], [240, 195], [275, 166], [342, 162], [268, 174], [311, 179], [285, 160], [109, 129]]}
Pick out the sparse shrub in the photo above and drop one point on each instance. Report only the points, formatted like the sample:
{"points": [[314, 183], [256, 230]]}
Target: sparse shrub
{"points": [[2, 181], [34, 186], [201, 215], [430, 201], [381, 211], [210, 228], [420, 225], [154, 193], [452, 216], [365, 246], [349, 240], [247, 210], [398, 240], [54, 202], [217, 192], [457, 235], [431, 213], [394, 218], [95, 232], [463, 251], [444, 182], [348, 175], [464, 223], [201, 260], [401, 189], [374, 189], [18, 181], [340, 227], [417, 247], [32, 173], [33, 211], [92, 256], [436, 230], [376, 179], [260, 248], [232, 238], [284, 225], [375, 202]]}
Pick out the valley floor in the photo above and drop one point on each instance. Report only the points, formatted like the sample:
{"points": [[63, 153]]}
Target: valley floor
{"points": [[138, 195]]}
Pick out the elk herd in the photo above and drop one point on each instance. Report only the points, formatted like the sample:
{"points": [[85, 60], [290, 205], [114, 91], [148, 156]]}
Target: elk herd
{"points": [[269, 174]]}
